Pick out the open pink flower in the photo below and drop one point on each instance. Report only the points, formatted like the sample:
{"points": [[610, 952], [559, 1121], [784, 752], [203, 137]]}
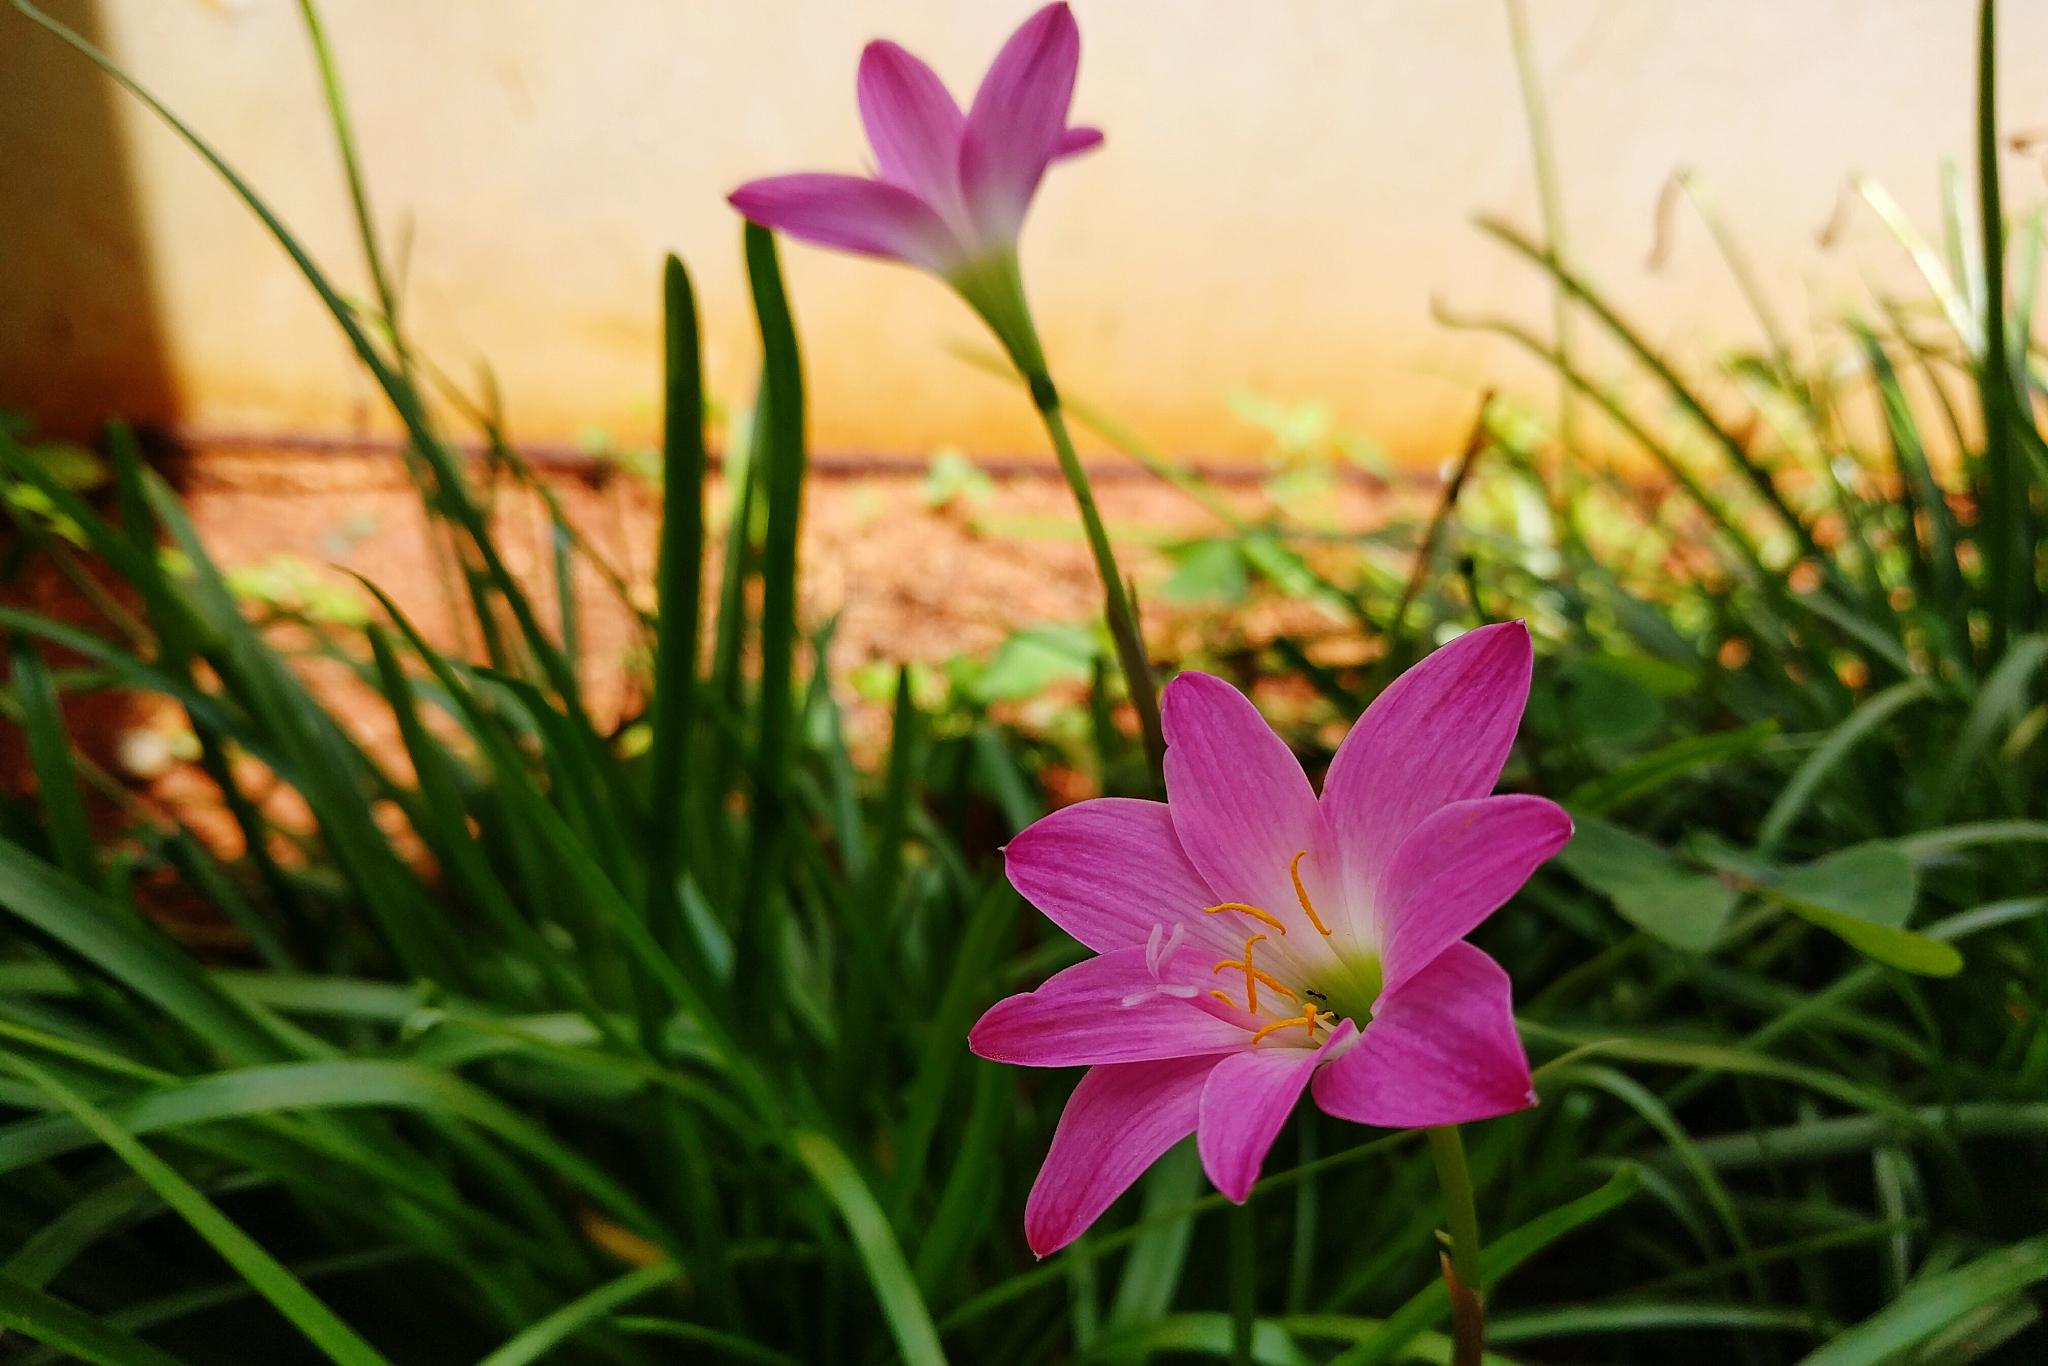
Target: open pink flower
{"points": [[1252, 940], [950, 189]]}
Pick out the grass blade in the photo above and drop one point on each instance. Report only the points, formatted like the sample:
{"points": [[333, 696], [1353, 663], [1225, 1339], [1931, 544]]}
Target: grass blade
{"points": [[132, 952], [1933, 1303], [306, 1311], [537, 1340], [49, 1320], [910, 1323], [781, 417], [2008, 557], [679, 584], [49, 750], [1799, 790], [1432, 1304]]}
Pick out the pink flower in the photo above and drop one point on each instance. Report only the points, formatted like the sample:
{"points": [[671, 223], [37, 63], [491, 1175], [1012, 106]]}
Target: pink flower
{"points": [[951, 189], [1252, 940]]}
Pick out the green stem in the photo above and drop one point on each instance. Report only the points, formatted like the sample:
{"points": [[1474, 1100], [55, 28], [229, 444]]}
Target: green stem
{"points": [[1116, 600], [993, 286], [2005, 541], [1244, 1265], [1468, 1314]]}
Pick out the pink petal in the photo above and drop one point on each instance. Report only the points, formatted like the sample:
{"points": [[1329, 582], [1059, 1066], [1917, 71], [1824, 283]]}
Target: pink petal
{"points": [[1018, 119], [852, 214], [1120, 1120], [1240, 802], [1080, 1016], [1106, 871], [1440, 734], [912, 124], [1458, 867], [1441, 1050], [1245, 1104], [1077, 140]]}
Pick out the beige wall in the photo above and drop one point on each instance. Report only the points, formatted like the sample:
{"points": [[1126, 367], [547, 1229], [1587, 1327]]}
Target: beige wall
{"points": [[1285, 186]]}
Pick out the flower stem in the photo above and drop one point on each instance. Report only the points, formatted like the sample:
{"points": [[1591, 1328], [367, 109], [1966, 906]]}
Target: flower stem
{"points": [[1461, 1267], [1123, 620], [1244, 1265]]}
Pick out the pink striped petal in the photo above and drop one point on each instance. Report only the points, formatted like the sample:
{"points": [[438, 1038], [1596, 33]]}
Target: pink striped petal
{"points": [[1241, 804], [1458, 867], [1439, 734], [1245, 1104], [1106, 1009], [1017, 121], [852, 214], [1441, 1050], [1120, 1120], [1106, 871], [912, 124], [1077, 140]]}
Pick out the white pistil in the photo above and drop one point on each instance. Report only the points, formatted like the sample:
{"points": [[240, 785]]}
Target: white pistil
{"points": [[1159, 950]]}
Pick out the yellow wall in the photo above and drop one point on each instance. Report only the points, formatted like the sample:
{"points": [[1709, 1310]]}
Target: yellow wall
{"points": [[1286, 186]]}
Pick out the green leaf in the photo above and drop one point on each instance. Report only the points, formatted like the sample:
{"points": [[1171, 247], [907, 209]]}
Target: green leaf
{"points": [[134, 953], [49, 749], [1431, 1304], [1609, 697], [1646, 1317], [1934, 1302], [1875, 882], [1902, 949], [1660, 767], [306, 1311], [1200, 1334], [1207, 572], [1800, 790], [1034, 659], [780, 416], [888, 1274], [1651, 889], [538, 1339], [51, 1321], [341, 1084], [679, 577], [954, 478], [1864, 896], [1999, 705], [1153, 1270]]}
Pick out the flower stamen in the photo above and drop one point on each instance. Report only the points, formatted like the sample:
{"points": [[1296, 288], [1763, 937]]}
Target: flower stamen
{"points": [[1254, 975], [1301, 894], [1309, 1018], [1246, 908]]}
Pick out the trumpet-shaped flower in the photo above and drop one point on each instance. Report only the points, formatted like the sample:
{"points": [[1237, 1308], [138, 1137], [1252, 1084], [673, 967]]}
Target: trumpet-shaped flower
{"points": [[950, 189], [1253, 940]]}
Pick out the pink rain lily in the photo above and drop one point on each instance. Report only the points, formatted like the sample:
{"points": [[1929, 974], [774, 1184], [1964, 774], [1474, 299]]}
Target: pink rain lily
{"points": [[950, 189], [1252, 940]]}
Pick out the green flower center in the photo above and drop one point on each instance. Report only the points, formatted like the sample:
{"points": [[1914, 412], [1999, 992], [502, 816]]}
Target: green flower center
{"points": [[1339, 986]]}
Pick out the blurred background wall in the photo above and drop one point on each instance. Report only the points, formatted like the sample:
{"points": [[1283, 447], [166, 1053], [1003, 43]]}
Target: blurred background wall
{"points": [[1285, 188]]}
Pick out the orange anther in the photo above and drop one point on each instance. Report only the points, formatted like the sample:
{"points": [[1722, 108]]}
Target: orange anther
{"points": [[1301, 893], [1246, 908], [1253, 975], [1309, 1018]]}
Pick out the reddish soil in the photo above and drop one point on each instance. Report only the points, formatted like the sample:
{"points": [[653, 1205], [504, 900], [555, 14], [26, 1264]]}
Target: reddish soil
{"points": [[907, 581]]}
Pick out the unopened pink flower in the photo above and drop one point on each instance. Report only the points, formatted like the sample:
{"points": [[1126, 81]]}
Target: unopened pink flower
{"points": [[950, 189], [1252, 940]]}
